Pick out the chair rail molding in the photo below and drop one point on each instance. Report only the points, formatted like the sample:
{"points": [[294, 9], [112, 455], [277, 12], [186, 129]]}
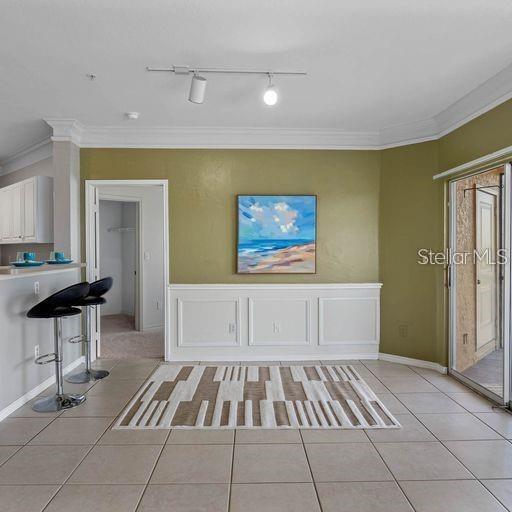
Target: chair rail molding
{"points": [[244, 322]]}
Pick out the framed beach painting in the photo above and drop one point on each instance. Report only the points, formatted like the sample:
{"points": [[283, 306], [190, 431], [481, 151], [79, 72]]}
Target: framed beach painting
{"points": [[276, 234]]}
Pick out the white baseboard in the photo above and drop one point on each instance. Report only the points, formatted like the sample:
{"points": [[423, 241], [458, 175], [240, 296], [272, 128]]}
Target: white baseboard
{"points": [[413, 362], [287, 358], [22, 400]]}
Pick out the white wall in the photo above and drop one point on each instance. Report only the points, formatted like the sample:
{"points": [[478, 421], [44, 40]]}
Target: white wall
{"points": [[19, 334], [128, 242], [66, 189], [111, 215], [152, 247], [118, 256]]}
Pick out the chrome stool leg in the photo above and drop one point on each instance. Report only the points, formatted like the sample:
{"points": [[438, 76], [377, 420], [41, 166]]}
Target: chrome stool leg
{"points": [[88, 374], [60, 400]]}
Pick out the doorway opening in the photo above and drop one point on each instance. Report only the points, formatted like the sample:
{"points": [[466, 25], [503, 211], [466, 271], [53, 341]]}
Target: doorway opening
{"points": [[479, 289], [119, 249], [126, 239]]}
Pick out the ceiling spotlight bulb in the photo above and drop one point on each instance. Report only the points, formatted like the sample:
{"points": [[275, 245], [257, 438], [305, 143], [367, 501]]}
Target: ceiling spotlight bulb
{"points": [[132, 115], [270, 95], [197, 89]]}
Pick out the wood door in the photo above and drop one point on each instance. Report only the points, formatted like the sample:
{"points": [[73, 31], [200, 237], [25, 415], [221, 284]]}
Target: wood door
{"points": [[486, 284]]}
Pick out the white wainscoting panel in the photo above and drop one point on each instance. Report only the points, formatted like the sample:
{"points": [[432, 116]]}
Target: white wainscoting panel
{"points": [[227, 322], [208, 322], [348, 320], [279, 322]]}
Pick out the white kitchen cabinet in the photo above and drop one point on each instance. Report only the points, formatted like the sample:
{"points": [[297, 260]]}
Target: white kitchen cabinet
{"points": [[26, 210]]}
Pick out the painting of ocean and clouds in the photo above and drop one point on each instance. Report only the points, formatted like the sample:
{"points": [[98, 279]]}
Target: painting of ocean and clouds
{"points": [[276, 234]]}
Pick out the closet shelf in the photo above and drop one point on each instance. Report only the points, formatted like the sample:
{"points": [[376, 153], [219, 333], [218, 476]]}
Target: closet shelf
{"points": [[120, 230]]}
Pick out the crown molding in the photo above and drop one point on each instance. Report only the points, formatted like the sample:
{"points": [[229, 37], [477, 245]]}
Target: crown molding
{"points": [[485, 97], [65, 130], [488, 95], [408, 133], [229, 138], [27, 156]]}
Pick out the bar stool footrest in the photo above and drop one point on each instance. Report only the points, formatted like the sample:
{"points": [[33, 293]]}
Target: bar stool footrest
{"points": [[46, 358], [77, 339]]}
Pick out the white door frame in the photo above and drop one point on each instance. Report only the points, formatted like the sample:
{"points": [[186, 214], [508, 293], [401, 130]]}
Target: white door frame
{"points": [[452, 291], [91, 206]]}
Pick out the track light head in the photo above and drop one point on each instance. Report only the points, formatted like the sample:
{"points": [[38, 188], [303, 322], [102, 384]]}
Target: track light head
{"points": [[270, 96], [197, 89]]}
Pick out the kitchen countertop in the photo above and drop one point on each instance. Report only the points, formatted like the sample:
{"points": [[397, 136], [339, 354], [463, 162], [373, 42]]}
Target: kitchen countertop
{"points": [[8, 272]]}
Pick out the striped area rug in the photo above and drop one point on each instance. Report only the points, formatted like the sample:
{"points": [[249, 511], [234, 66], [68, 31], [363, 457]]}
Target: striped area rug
{"points": [[204, 397]]}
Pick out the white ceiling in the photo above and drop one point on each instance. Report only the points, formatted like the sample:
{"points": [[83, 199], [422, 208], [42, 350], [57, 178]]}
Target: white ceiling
{"points": [[372, 64]]}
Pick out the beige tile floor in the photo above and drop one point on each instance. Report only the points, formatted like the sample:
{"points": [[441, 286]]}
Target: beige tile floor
{"points": [[453, 453]]}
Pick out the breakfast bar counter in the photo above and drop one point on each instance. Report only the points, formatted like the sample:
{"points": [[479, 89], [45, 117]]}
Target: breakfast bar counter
{"points": [[22, 338], [10, 272]]}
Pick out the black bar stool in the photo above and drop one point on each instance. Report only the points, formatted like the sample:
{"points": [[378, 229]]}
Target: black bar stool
{"points": [[94, 298], [58, 306]]}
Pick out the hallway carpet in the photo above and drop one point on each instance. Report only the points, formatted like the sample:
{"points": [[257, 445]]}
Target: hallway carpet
{"points": [[120, 340]]}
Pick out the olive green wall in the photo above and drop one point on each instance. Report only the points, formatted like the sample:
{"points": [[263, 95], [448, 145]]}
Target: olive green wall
{"points": [[364, 198], [413, 215], [485, 134], [409, 221], [203, 185]]}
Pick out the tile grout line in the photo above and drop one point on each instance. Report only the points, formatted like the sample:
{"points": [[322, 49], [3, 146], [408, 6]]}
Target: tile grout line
{"points": [[157, 460], [303, 444], [391, 473], [78, 465], [465, 409], [60, 486], [69, 476], [442, 443], [446, 447], [493, 495], [230, 488], [311, 471], [44, 428]]}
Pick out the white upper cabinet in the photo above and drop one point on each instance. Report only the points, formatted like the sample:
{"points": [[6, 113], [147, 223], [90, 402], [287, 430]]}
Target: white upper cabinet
{"points": [[26, 211]]}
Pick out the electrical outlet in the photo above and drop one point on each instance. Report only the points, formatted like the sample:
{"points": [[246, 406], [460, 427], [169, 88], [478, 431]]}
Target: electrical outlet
{"points": [[276, 327], [465, 338], [36, 287], [36, 351], [402, 331], [147, 255], [231, 327]]}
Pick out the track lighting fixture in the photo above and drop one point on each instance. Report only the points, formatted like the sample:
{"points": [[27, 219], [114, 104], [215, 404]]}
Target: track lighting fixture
{"points": [[197, 89], [198, 83], [270, 95]]}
